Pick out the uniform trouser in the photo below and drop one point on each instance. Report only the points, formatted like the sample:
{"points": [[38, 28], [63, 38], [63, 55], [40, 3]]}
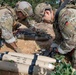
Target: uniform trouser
{"points": [[6, 22]]}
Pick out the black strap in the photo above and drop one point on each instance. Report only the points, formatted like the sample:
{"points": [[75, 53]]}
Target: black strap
{"points": [[31, 67], [59, 9], [2, 54], [55, 25]]}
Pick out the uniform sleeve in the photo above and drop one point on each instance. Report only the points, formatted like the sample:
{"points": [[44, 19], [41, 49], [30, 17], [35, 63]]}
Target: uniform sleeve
{"points": [[69, 39], [67, 25], [6, 23]]}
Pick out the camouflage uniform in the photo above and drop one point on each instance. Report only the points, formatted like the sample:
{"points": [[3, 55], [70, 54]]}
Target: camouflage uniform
{"points": [[66, 21], [48, 27], [27, 22], [65, 32], [6, 23], [39, 13]]}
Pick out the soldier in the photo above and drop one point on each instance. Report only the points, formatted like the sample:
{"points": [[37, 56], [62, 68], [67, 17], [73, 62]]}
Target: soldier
{"points": [[7, 20], [65, 29], [46, 8], [6, 23], [41, 11], [24, 11]]}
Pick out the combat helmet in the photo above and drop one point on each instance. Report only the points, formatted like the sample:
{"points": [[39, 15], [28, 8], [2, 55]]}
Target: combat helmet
{"points": [[24, 7], [41, 7]]}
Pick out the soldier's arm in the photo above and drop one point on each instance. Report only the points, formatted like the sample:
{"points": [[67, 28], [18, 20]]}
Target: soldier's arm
{"points": [[16, 25], [68, 42]]}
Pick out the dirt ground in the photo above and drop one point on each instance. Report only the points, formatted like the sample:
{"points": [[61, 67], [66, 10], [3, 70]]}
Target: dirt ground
{"points": [[26, 46]]}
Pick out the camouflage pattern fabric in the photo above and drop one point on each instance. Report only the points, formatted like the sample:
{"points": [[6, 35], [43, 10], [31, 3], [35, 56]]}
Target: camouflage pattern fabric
{"points": [[6, 23], [67, 25], [25, 22], [28, 23], [66, 37]]}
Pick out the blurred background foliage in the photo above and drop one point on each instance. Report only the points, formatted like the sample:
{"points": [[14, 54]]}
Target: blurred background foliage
{"points": [[12, 3]]}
